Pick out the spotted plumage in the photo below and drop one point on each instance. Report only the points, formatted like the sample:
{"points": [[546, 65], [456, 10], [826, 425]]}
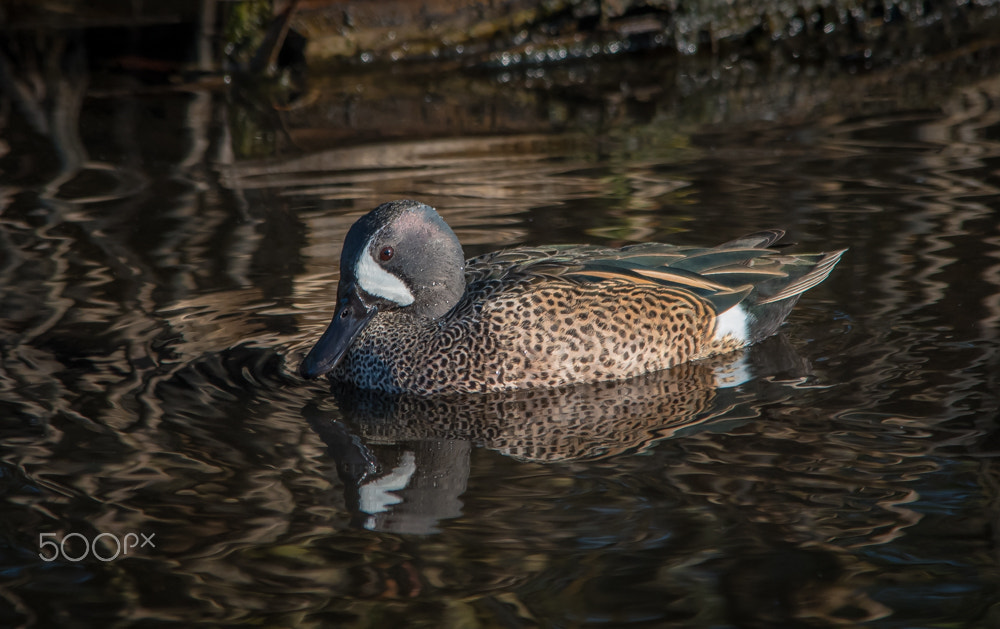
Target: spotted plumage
{"points": [[412, 316], [576, 421]]}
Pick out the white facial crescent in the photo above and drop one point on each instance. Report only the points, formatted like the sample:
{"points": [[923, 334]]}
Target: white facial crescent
{"points": [[378, 282]]}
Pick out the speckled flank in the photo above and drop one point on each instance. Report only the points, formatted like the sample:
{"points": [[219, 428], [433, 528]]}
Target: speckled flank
{"points": [[555, 334], [544, 335]]}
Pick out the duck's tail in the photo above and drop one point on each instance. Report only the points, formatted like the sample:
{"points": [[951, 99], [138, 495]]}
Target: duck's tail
{"points": [[772, 300]]}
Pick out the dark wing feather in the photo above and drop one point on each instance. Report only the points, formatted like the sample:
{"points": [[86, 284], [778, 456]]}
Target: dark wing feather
{"points": [[718, 258], [757, 240]]}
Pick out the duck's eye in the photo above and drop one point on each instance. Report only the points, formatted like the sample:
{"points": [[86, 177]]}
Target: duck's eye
{"points": [[386, 254]]}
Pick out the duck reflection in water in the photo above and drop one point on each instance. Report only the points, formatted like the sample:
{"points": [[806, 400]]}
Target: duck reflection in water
{"points": [[405, 459]]}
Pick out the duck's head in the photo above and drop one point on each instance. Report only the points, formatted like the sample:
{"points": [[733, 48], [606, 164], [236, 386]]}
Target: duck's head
{"points": [[400, 256]]}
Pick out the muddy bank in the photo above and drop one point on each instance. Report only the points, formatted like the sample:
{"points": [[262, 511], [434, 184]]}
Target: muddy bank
{"points": [[529, 31], [260, 33]]}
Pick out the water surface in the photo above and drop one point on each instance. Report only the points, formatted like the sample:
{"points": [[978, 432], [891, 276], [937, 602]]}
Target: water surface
{"points": [[168, 254]]}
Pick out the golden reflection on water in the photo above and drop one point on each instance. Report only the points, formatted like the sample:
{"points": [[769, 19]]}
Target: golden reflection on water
{"points": [[150, 336]]}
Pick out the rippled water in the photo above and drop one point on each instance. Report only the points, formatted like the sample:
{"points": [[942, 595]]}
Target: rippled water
{"points": [[168, 255]]}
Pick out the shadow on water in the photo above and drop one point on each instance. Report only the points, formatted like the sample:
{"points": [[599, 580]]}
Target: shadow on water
{"points": [[166, 257]]}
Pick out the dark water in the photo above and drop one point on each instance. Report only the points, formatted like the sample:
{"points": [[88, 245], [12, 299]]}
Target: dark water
{"points": [[168, 254]]}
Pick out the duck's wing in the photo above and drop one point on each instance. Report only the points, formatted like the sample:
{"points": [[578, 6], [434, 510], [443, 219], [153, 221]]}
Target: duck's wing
{"points": [[744, 269], [521, 261]]}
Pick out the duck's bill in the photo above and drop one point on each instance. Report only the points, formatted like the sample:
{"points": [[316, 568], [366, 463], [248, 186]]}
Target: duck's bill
{"points": [[350, 318]]}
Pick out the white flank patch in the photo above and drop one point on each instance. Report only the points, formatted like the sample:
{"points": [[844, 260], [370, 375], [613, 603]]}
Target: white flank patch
{"points": [[378, 282], [733, 322]]}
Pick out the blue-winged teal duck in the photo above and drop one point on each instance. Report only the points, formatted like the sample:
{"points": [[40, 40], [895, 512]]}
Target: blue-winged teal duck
{"points": [[414, 316]]}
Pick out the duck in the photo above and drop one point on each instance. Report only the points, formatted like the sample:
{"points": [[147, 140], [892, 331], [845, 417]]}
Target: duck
{"points": [[413, 316]]}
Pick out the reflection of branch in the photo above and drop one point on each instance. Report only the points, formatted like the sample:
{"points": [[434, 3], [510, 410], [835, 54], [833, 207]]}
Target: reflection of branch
{"points": [[48, 83], [286, 21], [267, 55], [21, 93]]}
